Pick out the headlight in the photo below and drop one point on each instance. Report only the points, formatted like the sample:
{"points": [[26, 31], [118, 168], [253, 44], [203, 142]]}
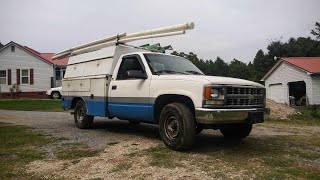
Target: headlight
{"points": [[213, 95]]}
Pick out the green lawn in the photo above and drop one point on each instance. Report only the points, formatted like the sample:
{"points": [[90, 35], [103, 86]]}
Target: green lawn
{"points": [[31, 105], [20, 146]]}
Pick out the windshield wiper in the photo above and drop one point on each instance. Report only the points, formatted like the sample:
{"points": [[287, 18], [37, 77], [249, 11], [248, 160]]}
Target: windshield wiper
{"points": [[195, 72], [168, 71]]}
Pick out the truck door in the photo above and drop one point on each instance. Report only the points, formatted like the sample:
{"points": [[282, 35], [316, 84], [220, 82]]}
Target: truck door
{"points": [[129, 97]]}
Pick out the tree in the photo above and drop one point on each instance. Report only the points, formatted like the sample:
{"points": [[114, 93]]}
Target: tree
{"points": [[263, 62], [238, 69], [220, 68], [316, 31]]}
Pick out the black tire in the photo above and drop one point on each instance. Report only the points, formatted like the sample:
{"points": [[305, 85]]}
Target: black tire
{"points": [[177, 126], [82, 120], [236, 132], [199, 130], [55, 95], [134, 122]]}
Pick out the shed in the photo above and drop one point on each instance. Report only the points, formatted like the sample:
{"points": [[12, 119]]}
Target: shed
{"points": [[294, 80]]}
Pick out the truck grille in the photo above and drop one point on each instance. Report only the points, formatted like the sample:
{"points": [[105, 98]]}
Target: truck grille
{"points": [[244, 102], [244, 96], [244, 91]]}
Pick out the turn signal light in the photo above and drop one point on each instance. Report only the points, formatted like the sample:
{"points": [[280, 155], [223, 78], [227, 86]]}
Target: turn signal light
{"points": [[207, 93]]}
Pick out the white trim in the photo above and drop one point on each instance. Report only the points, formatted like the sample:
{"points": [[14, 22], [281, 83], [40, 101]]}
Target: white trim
{"points": [[24, 76], [6, 70]]}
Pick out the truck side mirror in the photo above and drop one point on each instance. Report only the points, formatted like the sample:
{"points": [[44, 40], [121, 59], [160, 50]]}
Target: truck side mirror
{"points": [[136, 74]]}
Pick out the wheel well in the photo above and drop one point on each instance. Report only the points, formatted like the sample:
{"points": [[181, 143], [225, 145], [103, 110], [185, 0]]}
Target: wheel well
{"points": [[74, 102], [163, 100], [55, 91]]}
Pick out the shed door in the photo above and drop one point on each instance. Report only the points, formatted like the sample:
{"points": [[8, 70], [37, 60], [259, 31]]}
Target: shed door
{"points": [[277, 93]]}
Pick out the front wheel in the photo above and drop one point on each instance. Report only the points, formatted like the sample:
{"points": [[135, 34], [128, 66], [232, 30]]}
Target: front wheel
{"points": [[177, 126], [82, 120], [236, 132]]}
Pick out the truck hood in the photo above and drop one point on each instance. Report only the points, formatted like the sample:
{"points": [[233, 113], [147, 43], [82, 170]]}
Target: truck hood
{"points": [[209, 79], [230, 81]]}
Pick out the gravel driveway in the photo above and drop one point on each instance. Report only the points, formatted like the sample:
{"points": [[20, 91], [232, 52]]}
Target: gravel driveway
{"points": [[136, 151], [104, 132], [61, 124]]}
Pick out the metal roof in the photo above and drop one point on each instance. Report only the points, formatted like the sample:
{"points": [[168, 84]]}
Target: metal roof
{"points": [[310, 65]]}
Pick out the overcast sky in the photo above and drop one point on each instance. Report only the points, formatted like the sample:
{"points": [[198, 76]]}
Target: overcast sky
{"points": [[229, 29]]}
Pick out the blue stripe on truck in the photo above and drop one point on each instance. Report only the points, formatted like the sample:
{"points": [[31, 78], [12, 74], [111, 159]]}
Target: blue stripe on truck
{"points": [[143, 112], [132, 111], [94, 108]]}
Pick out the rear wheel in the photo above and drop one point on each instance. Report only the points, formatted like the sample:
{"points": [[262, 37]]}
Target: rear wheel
{"points": [[177, 126], [236, 132], [82, 120], [55, 95]]}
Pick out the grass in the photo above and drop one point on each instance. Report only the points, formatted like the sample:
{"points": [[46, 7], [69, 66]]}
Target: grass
{"points": [[161, 157], [280, 157], [291, 156], [305, 116], [31, 105], [75, 151], [20, 146], [122, 167]]}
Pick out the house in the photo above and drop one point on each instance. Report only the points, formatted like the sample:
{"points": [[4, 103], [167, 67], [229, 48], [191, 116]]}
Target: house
{"points": [[32, 71], [294, 80]]}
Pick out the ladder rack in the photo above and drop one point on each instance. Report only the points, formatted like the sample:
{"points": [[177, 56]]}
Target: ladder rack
{"points": [[124, 38]]}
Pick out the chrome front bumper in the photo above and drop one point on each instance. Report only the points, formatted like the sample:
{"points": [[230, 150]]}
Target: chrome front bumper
{"points": [[227, 116]]}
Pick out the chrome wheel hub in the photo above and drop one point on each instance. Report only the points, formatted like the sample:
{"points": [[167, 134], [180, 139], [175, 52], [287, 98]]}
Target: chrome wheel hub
{"points": [[172, 127]]}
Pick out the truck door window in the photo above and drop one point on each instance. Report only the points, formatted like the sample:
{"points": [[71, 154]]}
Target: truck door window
{"points": [[127, 64]]}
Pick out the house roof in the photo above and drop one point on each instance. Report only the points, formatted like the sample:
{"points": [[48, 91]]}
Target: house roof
{"points": [[47, 57], [308, 64]]}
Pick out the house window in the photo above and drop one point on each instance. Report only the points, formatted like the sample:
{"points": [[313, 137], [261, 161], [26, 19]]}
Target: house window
{"points": [[13, 48], [58, 74], [25, 76], [3, 77]]}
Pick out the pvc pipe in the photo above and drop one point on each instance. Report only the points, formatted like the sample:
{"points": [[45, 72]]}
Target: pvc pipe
{"points": [[112, 43], [69, 51], [123, 37], [180, 27], [151, 36]]}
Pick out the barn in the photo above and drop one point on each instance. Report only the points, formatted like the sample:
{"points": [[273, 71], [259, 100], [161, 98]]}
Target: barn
{"points": [[294, 81], [32, 71]]}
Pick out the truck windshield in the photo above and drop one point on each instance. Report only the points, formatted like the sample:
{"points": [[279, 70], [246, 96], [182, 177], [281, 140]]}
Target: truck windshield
{"points": [[165, 64]]}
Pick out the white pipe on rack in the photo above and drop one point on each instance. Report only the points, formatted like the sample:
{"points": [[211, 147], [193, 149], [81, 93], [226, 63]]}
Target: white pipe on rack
{"points": [[123, 37], [69, 51], [125, 40], [180, 27]]}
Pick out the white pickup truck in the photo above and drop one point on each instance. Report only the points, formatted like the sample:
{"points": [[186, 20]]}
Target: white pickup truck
{"points": [[137, 85]]}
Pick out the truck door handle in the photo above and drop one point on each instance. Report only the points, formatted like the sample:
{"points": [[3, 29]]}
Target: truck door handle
{"points": [[114, 87]]}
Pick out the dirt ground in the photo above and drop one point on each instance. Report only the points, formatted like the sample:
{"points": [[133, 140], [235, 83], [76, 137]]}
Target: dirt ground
{"points": [[279, 110], [136, 152]]}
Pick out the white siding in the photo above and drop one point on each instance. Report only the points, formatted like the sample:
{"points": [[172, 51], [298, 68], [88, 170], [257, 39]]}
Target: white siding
{"points": [[22, 60], [284, 74], [316, 89]]}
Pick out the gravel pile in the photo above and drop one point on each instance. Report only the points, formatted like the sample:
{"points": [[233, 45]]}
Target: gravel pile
{"points": [[279, 110]]}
